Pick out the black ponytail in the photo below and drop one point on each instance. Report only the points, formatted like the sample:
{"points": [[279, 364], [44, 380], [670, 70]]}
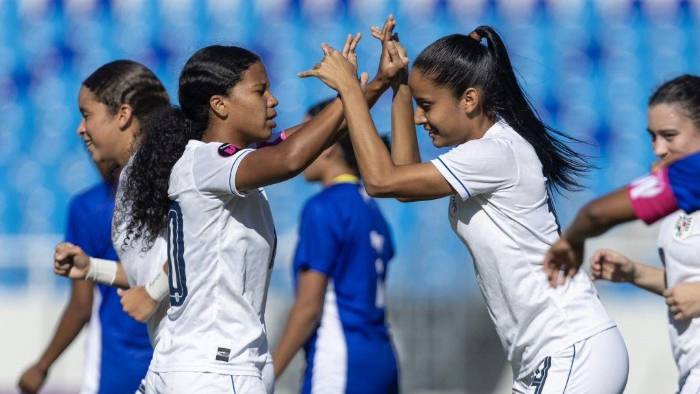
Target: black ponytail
{"points": [[213, 70], [459, 62]]}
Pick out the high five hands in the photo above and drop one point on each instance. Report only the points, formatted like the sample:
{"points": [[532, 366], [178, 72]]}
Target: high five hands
{"points": [[339, 69], [393, 63]]}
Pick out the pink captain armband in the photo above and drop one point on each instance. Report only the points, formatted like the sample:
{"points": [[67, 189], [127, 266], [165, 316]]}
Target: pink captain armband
{"points": [[282, 137], [652, 197]]}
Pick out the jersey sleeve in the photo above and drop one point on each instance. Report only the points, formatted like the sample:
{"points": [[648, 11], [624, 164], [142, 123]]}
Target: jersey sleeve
{"points": [[214, 169], [651, 196], [478, 167], [684, 177], [319, 241]]}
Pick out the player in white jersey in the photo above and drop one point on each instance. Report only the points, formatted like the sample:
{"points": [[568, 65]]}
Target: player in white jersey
{"points": [[114, 101], [674, 126], [202, 175], [498, 173]]}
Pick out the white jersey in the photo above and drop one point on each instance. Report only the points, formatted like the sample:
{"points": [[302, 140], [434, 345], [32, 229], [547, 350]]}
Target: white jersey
{"points": [[502, 213], [221, 246], [679, 247], [140, 267]]}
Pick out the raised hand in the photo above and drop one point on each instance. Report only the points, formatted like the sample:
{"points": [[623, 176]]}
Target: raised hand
{"points": [[334, 70], [683, 300], [137, 303], [70, 261], [349, 49], [610, 265], [562, 261], [393, 63]]}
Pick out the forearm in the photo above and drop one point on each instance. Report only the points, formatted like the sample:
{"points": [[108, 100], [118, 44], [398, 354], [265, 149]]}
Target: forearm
{"points": [[73, 319], [404, 144], [649, 278], [600, 215], [300, 325], [121, 280], [372, 156]]}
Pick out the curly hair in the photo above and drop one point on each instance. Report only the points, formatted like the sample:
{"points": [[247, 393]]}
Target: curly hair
{"points": [[213, 70]]}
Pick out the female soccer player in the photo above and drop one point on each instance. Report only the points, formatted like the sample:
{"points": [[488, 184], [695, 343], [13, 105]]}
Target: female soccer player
{"points": [[497, 175], [114, 101], [340, 269], [118, 351], [196, 174], [674, 125]]}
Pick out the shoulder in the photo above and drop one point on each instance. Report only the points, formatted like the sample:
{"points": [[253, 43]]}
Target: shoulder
{"points": [[92, 197]]}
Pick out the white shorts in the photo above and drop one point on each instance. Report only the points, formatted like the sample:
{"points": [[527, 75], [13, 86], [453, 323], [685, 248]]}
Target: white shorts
{"points": [[690, 384], [202, 382], [597, 365]]}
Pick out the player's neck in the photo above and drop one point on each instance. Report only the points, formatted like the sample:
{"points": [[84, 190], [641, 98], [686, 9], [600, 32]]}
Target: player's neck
{"points": [[335, 172]]}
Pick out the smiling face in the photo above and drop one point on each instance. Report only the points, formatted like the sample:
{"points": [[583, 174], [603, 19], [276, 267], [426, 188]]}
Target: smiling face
{"points": [[440, 113], [673, 133], [100, 129], [250, 107]]}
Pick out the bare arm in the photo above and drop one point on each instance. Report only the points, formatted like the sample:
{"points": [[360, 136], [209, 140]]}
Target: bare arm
{"points": [[565, 257], [610, 265], [600, 215], [306, 141], [303, 318], [120, 279], [404, 144], [75, 316]]}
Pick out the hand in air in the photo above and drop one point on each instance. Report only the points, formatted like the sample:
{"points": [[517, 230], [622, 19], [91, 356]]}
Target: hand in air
{"points": [[393, 63], [610, 265], [69, 260], [137, 303], [334, 70], [683, 300], [562, 261], [32, 379]]}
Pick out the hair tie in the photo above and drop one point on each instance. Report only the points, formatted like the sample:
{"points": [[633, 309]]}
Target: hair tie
{"points": [[475, 36]]}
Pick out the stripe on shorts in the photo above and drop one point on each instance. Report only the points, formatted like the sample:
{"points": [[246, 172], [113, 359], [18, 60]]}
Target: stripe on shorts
{"points": [[539, 382]]}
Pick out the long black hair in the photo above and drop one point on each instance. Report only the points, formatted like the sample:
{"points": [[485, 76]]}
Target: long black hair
{"points": [[459, 62], [213, 70], [684, 91], [127, 82]]}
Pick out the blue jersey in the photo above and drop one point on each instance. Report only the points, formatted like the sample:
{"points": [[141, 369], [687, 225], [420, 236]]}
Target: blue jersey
{"points": [[125, 350], [667, 190], [344, 236]]}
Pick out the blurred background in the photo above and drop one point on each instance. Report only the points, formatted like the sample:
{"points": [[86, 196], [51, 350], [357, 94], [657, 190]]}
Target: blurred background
{"points": [[589, 67]]}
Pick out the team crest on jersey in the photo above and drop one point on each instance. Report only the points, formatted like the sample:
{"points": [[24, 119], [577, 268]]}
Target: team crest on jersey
{"points": [[683, 226], [227, 150]]}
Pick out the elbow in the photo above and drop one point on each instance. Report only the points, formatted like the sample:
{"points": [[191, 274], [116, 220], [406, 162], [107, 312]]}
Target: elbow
{"points": [[378, 187], [595, 213]]}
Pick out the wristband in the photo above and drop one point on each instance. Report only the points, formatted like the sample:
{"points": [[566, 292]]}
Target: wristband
{"points": [[102, 271], [159, 287]]}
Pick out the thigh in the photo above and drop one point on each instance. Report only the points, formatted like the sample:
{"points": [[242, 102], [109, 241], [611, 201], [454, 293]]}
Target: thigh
{"points": [[550, 377], [601, 364]]}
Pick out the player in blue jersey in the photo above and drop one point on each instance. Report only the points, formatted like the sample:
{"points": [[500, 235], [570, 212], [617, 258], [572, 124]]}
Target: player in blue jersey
{"points": [[664, 191], [339, 270], [118, 350]]}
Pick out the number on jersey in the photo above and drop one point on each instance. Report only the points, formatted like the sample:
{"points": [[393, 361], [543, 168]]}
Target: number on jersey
{"points": [[377, 241], [176, 260]]}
